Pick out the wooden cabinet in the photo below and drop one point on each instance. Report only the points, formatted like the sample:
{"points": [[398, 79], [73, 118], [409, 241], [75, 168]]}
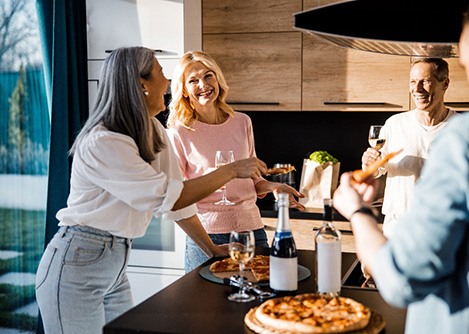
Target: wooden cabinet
{"points": [[245, 16], [258, 50], [263, 70], [336, 78]]}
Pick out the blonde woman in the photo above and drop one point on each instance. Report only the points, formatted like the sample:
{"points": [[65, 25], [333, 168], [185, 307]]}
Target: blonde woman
{"points": [[199, 124]]}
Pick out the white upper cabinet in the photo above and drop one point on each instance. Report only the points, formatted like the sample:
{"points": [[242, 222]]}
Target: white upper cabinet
{"points": [[156, 24]]}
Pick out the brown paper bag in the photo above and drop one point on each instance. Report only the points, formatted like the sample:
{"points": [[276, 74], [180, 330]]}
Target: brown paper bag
{"points": [[318, 182]]}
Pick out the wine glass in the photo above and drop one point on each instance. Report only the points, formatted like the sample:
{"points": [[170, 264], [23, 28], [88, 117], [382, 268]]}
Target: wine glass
{"points": [[374, 139], [242, 246], [223, 158]]}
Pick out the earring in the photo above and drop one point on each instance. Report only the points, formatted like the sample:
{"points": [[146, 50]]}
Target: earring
{"points": [[146, 93]]}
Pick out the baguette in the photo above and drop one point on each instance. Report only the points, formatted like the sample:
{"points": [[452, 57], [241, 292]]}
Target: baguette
{"points": [[360, 176]]}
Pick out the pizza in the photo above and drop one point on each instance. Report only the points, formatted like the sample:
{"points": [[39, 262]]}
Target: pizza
{"points": [[280, 170], [224, 265], [261, 272], [309, 313], [259, 267]]}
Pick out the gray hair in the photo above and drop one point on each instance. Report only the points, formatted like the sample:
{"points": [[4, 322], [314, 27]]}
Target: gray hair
{"points": [[440, 67], [120, 105]]}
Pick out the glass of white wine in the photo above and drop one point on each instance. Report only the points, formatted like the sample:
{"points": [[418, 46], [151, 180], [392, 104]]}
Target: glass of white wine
{"points": [[374, 137], [242, 247], [223, 158], [375, 140]]}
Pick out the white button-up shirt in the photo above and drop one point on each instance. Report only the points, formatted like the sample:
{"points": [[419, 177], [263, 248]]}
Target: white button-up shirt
{"points": [[113, 189]]}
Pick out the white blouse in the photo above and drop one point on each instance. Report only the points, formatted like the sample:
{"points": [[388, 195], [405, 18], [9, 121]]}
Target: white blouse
{"points": [[113, 189]]}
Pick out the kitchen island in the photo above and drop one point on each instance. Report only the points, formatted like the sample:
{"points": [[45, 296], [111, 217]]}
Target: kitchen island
{"points": [[195, 305]]}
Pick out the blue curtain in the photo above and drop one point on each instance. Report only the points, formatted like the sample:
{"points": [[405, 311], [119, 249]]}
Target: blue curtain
{"points": [[64, 44]]}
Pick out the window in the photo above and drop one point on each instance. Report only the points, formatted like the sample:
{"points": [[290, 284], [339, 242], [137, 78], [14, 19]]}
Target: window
{"points": [[24, 157]]}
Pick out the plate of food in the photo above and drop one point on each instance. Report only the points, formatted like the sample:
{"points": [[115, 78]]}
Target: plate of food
{"points": [[256, 270]]}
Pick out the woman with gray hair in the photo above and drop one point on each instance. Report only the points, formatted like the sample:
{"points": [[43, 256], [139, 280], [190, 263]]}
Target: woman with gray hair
{"points": [[124, 171]]}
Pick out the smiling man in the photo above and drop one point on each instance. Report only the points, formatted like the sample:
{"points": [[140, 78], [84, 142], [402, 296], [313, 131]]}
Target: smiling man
{"points": [[412, 131]]}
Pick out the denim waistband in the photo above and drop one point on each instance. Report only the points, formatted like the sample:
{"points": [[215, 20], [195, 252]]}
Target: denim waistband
{"points": [[91, 232]]}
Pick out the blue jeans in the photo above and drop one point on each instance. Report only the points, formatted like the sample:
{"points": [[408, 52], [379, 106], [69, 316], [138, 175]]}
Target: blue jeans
{"points": [[81, 282], [195, 256]]}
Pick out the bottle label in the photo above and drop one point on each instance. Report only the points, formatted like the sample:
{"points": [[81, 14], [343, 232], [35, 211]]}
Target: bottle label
{"points": [[283, 273], [329, 263], [283, 234]]}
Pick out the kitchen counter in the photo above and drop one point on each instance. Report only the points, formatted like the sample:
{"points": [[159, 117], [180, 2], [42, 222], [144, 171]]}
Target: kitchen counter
{"points": [[195, 305]]}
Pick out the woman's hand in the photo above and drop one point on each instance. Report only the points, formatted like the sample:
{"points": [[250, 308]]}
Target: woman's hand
{"points": [[292, 192], [248, 168], [351, 196], [221, 250]]}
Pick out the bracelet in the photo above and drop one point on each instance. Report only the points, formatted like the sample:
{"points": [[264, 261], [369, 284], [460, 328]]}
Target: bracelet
{"points": [[366, 211]]}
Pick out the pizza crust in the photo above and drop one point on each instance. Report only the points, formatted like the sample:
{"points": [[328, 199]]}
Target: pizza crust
{"points": [[313, 313]]}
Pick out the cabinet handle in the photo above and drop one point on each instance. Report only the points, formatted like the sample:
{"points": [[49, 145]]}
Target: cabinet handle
{"points": [[155, 50], [458, 104], [367, 104], [254, 103]]}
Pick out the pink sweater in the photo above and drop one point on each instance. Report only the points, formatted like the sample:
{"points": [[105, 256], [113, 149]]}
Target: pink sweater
{"points": [[196, 152]]}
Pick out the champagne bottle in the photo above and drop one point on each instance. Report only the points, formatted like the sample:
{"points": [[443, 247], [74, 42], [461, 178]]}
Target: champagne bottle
{"points": [[283, 254], [328, 254]]}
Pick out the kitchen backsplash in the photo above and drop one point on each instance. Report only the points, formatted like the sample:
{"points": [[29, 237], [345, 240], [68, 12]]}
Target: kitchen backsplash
{"points": [[289, 137]]}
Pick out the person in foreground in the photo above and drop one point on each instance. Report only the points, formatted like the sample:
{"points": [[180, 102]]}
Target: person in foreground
{"points": [[124, 171], [425, 265], [413, 131], [199, 124]]}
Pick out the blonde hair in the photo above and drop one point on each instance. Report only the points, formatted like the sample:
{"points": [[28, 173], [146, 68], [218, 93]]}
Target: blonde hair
{"points": [[181, 111]]}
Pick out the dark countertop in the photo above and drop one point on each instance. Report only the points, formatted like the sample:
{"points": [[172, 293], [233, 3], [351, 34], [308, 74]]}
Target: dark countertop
{"points": [[268, 208], [195, 305]]}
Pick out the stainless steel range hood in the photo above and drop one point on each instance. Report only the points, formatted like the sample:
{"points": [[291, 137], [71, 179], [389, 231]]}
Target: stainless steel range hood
{"points": [[401, 27]]}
